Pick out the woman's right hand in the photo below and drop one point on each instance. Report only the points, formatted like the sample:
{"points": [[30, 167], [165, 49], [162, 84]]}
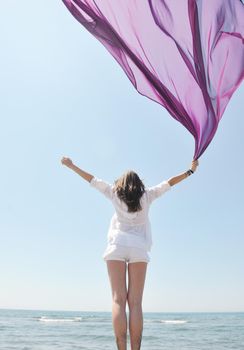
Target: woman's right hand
{"points": [[67, 161], [194, 165]]}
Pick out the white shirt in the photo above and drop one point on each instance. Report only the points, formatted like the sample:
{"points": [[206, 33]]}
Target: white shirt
{"points": [[130, 229]]}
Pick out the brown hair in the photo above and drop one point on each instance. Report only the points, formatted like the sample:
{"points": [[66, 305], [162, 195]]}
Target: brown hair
{"points": [[130, 188]]}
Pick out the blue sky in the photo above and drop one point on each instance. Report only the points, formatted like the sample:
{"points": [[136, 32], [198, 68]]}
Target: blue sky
{"points": [[64, 95]]}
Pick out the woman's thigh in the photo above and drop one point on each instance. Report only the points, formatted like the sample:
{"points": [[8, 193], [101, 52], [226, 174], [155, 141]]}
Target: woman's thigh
{"points": [[136, 279], [117, 276]]}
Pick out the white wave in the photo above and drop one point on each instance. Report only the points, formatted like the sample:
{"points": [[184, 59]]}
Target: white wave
{"points": [[173, 321], [48, 319], [148, 320]]}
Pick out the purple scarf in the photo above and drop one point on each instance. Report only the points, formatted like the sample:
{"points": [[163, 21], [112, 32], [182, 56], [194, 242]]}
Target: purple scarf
{"points": [[186, 55]]}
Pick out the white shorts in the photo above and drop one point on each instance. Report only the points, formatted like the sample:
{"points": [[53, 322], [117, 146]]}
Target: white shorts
{"points": [[124, 253]]}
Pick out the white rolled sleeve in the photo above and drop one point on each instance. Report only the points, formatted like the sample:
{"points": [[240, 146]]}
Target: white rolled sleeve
{"points": [[158, 190], [102, 186]]}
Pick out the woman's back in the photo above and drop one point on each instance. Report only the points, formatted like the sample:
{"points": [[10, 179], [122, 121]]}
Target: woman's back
{"points": [[130, 228]]}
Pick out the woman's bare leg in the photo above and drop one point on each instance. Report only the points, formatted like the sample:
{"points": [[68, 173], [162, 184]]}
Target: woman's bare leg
{"points": [[117, 276], [137, 275]]}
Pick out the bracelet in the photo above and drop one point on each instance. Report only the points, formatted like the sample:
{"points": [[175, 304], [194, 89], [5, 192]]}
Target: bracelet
{"points": [[189, 172]]}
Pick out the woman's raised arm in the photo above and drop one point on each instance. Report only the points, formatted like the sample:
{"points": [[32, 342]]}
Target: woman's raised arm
{"points": [[68, 162], [176, 179]]}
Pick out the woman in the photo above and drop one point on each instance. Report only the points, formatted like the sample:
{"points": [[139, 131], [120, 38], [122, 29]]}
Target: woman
{"points": [[129, 241]]}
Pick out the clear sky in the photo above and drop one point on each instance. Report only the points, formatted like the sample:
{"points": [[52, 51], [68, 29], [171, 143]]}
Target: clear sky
{"points": [[63, 94]]}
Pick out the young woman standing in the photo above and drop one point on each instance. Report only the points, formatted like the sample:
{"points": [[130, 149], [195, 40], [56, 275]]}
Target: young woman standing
{"points": [[129, 241]]}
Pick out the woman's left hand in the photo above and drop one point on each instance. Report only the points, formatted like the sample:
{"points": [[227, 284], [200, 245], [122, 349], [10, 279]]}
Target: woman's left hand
{"points": [[67, 161]]}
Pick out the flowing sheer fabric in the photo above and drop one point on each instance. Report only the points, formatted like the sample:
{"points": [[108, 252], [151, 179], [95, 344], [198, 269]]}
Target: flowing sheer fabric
{"points": [[187, 55]]}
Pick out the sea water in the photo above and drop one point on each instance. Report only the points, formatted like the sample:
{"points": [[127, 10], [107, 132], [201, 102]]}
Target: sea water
{"points": [[66, 330]]}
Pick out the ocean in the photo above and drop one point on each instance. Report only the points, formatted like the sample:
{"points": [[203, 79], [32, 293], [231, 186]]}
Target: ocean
{"points": [[70, 330]]}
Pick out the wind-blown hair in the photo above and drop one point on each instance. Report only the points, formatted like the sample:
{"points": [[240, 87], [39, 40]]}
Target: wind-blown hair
{"points": [[130, 188]]}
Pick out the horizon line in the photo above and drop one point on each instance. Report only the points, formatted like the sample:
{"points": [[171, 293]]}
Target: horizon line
{"points": [[105, 311]]}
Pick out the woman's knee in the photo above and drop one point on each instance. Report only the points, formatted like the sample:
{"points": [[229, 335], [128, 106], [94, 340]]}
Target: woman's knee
{"points": [[119, 299], [134, 301]]}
